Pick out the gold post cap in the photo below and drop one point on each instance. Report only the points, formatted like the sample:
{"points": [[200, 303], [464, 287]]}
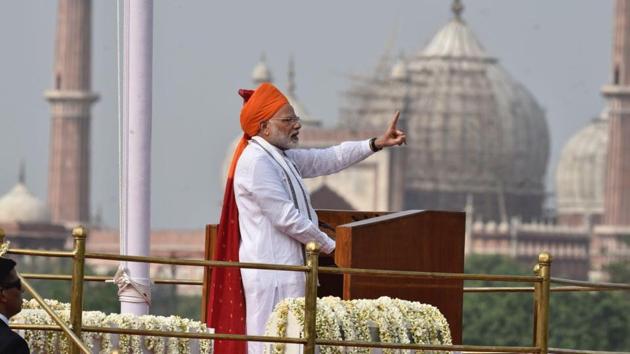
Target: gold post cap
{"points": [[2, 234], [312, 246], [536, 268], [544, 257], [79, 232]]}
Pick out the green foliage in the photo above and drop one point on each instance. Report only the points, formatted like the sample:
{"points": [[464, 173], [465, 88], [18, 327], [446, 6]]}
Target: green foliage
{"points": [[590, 320], [584, 320], [99, 296], [619, 272], [166, 302], [497, 318], [96, 295]]}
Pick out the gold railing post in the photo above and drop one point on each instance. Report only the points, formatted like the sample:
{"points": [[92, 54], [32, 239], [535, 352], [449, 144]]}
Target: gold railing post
{"points": [[536, 305], [1, 236], [78, 269], [310, 300], [543, 292]]}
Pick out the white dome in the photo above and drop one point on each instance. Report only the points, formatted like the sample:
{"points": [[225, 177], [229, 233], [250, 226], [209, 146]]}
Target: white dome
{"points": [[455, 40], [261, 72], [581, 170], [471, 127], [399, 71], [19, 205]]}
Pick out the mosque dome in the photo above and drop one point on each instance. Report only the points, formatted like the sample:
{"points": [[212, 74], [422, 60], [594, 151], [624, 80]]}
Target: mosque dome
{"points": [[261, 72], [581, 171], [399, 71], [19, 205], [471, 128]]}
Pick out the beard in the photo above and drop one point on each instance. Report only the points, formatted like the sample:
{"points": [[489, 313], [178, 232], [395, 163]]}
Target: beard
{"points": [[284, 141]]}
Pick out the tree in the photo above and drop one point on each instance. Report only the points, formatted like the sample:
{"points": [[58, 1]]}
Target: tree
{"points": [[497, 318], [619, 271], [96, 296], [577, 320]]}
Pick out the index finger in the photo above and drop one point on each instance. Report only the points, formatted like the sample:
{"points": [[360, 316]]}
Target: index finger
{"points": [[392, 125]]}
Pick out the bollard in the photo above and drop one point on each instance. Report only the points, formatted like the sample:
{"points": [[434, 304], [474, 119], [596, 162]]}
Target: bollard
{"points": [[310, 300], [542, 317], [78, 271], [536, 308]]}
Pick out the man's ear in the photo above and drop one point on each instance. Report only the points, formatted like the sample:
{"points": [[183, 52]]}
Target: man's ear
{"points": [[263, 126]]}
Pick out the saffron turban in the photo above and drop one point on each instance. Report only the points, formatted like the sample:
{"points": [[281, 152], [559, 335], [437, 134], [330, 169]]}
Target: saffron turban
{"points": [[225, 310], [259, 106]]}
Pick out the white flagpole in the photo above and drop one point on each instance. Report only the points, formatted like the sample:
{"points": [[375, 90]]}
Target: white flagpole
{"points": [[133, 278]]}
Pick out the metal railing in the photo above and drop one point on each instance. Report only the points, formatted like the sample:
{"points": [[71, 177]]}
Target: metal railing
{"points": [[541, 290]]}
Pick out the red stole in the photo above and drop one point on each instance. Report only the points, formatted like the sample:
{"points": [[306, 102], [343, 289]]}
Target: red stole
{"points": [[226, 303]]}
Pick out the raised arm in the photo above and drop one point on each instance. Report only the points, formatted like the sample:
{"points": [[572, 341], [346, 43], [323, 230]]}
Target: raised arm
{"points": [[319, 162]]}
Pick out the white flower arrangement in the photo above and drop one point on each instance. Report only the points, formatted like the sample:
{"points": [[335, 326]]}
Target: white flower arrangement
{"points": [[395, 321], [326, 324], [57, 342], [4, 247], [278, 328]]}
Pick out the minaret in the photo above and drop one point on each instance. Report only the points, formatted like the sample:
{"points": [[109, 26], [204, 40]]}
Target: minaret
{"points": [[617, 193], [291, 77], [70, 101]]}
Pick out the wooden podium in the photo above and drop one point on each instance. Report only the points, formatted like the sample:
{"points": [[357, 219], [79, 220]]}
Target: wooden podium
{"points": [[428, 241]]}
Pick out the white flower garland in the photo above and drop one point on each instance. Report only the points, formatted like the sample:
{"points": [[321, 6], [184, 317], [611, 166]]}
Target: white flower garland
{"points": [[349, 326], [391, 324], [277, 327], [4, 247], [425, 322], [396, 321], [54, 341], [327, 326]]}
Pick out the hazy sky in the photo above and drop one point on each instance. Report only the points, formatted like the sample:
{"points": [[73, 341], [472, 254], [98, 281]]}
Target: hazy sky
{"points": [[205, 50]]}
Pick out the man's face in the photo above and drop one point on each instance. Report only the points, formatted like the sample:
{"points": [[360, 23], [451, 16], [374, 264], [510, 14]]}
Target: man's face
{"points": [[11, 295], [283, 129]]}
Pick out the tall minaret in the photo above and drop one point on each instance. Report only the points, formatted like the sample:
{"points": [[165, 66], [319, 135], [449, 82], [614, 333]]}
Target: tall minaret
{"points": [[70, 101], [617, 194]]}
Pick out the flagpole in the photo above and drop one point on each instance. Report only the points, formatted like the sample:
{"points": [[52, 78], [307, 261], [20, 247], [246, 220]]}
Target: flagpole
{"points": [[133, 278]]}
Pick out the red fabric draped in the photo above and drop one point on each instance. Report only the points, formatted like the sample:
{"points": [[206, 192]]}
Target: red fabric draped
{"points": [[226, 303], [225, 310]]}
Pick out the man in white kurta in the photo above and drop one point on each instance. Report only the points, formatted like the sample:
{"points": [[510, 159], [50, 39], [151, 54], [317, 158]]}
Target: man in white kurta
{"points": [[272, 229], [275, 214]]}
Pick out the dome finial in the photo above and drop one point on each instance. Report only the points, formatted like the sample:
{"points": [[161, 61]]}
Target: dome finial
{"points": [[291, 77], [22, 173], [457, 9]]}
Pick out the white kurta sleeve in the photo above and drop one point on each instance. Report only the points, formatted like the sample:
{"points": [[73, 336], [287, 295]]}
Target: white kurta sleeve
{"points": [[268, 191], [320, 162]]}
